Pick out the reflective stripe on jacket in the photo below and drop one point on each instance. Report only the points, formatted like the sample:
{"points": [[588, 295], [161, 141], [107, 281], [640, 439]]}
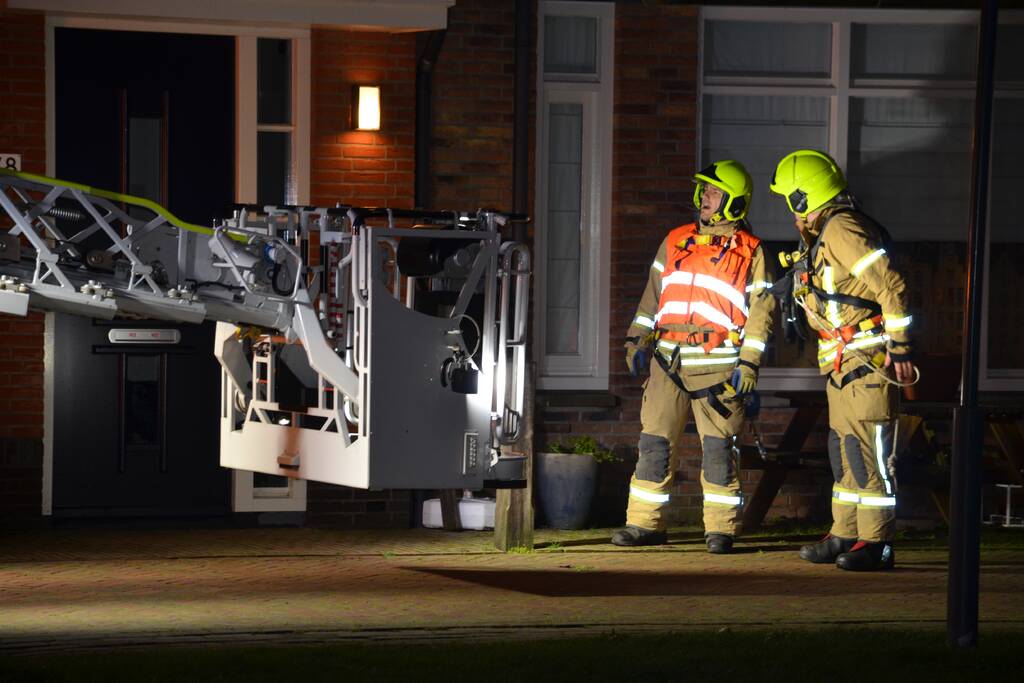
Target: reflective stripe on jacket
{"points": [[705, 280]]}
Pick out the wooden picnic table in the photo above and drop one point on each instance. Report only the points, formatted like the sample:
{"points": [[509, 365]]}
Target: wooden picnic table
{"points": [[778, 461]]}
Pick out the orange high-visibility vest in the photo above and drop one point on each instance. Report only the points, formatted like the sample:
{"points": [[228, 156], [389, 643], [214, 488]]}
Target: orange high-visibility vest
{"points": [[704, 283]]}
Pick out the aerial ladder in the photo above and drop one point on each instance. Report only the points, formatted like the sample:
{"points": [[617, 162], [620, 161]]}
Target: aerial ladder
{"points": [[405, 330]]}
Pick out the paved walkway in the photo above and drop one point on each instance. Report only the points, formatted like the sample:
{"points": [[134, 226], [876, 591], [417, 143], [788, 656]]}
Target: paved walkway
{"points": [[82, 589]]}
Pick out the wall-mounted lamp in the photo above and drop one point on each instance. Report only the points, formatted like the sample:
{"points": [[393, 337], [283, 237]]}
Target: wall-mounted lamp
{"points": [[366, 107]]}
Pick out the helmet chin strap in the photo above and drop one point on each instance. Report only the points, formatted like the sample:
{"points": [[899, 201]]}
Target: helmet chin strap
{"points": [[718, 217]]}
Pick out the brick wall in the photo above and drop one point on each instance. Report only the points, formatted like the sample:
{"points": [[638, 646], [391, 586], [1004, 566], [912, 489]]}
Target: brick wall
{"points": [[368, 169], [22, 131], [471, 147], [357, 167]]}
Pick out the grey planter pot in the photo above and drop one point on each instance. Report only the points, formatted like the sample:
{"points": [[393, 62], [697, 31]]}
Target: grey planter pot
{"points": [[565, 488]]}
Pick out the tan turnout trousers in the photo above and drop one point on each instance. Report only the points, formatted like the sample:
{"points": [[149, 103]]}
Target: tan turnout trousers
{"points": [[861, 418], [852, 261], [664, 415]]}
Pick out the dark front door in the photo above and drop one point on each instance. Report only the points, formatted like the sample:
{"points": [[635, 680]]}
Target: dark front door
{"points": [[135, 427]]}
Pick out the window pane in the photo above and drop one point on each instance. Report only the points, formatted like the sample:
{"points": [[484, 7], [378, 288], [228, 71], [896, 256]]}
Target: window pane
{"points": [[1009, 57], [1006, 308], [570, 45], [758, 131], [275, 178], [565, 163], [943, 51], [741, 48], [273, 67], [909, 164]]}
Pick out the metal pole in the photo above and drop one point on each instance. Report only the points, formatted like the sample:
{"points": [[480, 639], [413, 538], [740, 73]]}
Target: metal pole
{"points": [[965, 483]]}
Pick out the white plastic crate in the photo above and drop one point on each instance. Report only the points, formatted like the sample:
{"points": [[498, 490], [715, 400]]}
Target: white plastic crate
{"points": [[475, 513]]}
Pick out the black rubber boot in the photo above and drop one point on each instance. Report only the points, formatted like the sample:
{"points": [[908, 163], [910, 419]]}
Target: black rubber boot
{"points": [[719, 544], [826, 550], [634, 535], [867, 557]]}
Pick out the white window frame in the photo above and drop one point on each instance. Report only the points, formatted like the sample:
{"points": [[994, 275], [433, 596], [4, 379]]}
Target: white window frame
{"points": [[840, 89], [249, 127], [245, 498], [587, 370]]}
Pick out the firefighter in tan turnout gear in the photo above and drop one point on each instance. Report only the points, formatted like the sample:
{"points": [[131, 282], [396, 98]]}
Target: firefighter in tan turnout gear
{"points": [[700, 328], [856, 302]]}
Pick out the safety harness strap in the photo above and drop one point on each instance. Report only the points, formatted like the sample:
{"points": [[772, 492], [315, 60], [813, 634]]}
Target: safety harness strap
{"points": [[711, 393], [851, 376], [847, 299], [844, 335]]}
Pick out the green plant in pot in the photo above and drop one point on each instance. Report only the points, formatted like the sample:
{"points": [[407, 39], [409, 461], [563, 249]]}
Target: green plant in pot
{"points": [[567, 478]]}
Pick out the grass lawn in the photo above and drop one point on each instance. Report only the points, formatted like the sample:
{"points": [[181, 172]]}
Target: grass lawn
{"points": [[852, 654]]}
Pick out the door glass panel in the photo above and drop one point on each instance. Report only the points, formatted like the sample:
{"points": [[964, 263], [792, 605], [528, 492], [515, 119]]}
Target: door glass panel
{"points": [[142, 401], [145, 162]]}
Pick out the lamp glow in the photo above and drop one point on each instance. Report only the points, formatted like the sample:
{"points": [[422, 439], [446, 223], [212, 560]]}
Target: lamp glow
{"points": [[367, 107]]}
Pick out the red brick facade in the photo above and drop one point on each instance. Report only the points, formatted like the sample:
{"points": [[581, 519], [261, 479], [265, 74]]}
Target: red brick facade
{"points": [[368, 168], [22, 131], [471, 146]]}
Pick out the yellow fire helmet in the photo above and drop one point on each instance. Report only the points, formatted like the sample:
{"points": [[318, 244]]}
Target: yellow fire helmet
{"points": [[808, 179], [731, 178]]}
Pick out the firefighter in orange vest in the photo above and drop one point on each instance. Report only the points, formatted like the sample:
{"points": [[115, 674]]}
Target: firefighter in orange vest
{"points": [[856, 301], [701, 327]]}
